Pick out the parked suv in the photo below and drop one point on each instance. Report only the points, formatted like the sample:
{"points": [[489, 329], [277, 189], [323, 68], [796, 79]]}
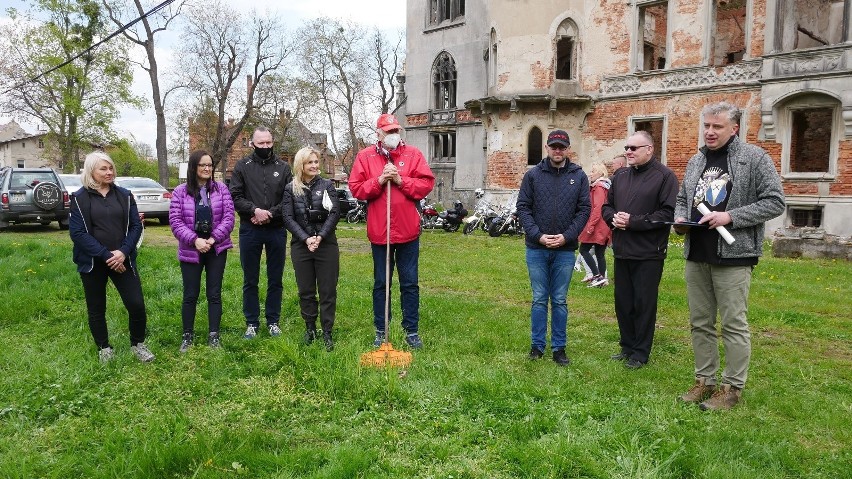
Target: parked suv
{"points": [[32, 195]]}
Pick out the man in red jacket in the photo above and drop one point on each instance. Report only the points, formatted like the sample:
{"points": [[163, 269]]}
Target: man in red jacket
{"points": [[411, 179]]}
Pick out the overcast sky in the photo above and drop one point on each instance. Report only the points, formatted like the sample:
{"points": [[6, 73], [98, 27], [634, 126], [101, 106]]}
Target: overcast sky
{"points": [[387, 14]]}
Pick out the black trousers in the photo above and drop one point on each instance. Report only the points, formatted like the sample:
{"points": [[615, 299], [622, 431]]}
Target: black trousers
{"points": [[597, 264], [637, 284], [191, 272], [317, 271], [129, 288]]}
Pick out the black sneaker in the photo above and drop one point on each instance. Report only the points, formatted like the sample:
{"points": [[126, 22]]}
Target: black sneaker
{"points": [[213, 340], [186, 343], [560, 358], [619, 357], [310, 336], [535, 353], [414, 341], [380, 338], [326, 338], [633, 364]]}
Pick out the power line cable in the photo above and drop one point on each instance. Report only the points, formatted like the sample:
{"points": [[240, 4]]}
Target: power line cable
{"points": [[93, 47]]}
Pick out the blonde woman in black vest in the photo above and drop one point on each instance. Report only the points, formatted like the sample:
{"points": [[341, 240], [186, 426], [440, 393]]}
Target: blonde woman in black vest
{"points": [[311, 213]]}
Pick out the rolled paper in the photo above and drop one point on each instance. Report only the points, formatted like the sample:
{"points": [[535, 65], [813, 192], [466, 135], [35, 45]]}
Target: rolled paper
{"points": [[723, 232]]}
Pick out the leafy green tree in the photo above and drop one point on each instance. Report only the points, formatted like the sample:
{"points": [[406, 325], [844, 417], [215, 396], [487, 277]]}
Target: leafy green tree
{"points": [[77, 102]]}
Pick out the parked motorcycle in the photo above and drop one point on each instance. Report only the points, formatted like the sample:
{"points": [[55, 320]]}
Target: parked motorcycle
{"points": [[429, 217], [483, 213], [453, 218], [506, 222], [358, 213]]}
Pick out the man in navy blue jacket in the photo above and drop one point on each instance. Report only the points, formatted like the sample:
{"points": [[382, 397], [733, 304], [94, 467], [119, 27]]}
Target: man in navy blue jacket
{"points": [[553, 206]]}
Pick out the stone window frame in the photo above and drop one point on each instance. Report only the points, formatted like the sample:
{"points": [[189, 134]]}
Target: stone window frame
{"points": [[441, 83], [437, 14], [792, 208], [775, 30], [631, 129], [567, 29], [439, 137], [803, 101], [638, 44], [710, 33]]}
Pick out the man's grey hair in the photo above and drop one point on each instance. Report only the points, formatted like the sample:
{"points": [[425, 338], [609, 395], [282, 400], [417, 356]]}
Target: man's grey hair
{"points": [[644, 134], [261, 129], [731, 111]]}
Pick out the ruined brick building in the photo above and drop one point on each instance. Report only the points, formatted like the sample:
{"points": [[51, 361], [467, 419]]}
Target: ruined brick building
{"points": [[486, 80]]}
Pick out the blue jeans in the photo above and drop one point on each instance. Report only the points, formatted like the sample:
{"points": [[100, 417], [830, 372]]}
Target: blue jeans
{"points": [[253, 240], [550, 275], [405, 256]]}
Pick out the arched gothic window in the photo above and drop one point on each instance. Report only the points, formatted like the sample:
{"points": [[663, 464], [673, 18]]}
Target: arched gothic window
{"points": [[534, 142], [444, 82], [566, 50]]}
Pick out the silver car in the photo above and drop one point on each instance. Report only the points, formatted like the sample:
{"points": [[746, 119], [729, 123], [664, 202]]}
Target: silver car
{"points": [[71, 183], [151, 198]]}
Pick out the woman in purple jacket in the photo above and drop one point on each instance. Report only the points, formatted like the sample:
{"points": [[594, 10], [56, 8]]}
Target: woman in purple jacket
{"points": [[202, 217]]}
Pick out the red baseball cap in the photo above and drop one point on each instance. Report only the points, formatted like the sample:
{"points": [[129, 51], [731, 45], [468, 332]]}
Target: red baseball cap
{"points": [[387, 122]]}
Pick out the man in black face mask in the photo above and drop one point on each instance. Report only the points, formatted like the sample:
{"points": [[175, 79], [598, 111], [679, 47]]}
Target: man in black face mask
{"points": [[257, 186]]}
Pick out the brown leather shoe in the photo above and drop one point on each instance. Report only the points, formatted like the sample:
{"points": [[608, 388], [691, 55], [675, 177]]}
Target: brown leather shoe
{"points": [[723, 399], [699, 392]]}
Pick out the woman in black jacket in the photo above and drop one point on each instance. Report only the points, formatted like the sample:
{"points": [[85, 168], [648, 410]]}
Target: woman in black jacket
{"points": [[311, 212], [105, 228]]}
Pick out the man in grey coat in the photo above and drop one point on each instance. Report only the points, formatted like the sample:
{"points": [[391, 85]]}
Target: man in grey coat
{"points": [[741, 188]]}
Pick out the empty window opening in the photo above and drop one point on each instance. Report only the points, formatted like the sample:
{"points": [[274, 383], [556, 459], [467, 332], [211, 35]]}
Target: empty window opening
{"points": [[806, 217], [492, 60], [655, 129], [811, 23], [444, 82], [653, 30], [444, 146], [810, 140], [729, 40], [566, 50], [534, 151]]}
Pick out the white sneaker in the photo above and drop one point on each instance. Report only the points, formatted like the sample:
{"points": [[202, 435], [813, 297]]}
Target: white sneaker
{"points": [[251, 332], [588, 278], [142, 353], [598, 282], [106, 354], [274, 330]]}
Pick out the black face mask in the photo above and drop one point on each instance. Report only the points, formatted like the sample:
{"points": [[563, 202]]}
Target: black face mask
{"points": [[263, 153]]}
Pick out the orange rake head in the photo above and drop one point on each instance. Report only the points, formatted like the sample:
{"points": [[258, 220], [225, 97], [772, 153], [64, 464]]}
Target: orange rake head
{"points": [[386, 355]]}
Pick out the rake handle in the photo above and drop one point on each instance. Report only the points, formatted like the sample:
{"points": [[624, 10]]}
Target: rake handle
{"points": [[387, 263]]}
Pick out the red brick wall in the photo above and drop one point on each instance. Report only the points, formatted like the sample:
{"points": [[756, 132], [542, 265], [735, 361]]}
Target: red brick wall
{"points": [[843, 184], [417, 120], [607, 124], [542, 75], [505, 169]]}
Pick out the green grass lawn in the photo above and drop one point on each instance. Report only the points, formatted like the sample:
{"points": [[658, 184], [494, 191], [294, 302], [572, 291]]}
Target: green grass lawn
{"points": [[470, 405]]}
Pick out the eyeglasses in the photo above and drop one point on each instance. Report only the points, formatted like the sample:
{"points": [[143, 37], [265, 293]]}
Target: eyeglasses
{"points": [[557, 147], [634, 148], [204, 166]]}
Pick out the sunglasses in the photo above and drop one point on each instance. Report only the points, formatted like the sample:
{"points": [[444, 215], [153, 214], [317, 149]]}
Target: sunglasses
{"points": [[634, 148], [557, 147]]}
